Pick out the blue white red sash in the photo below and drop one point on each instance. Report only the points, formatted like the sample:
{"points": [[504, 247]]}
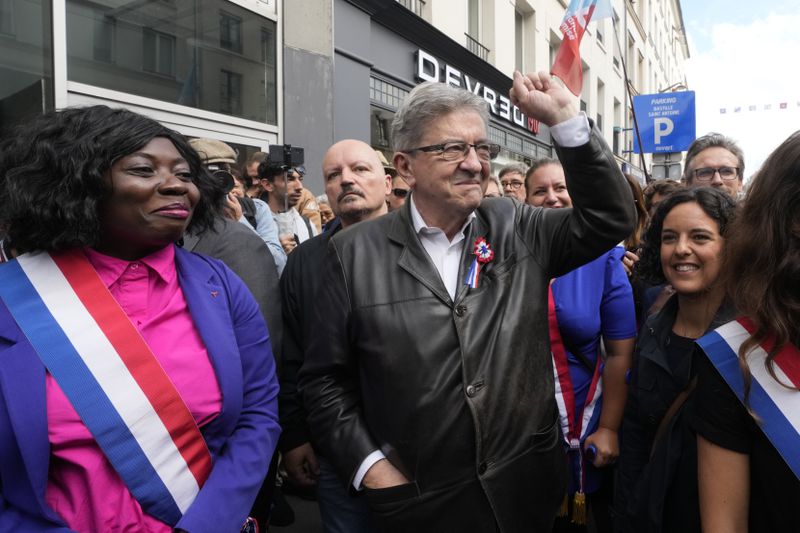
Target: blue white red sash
{"points": [[575, 425], [111, 377], [776, 405]]}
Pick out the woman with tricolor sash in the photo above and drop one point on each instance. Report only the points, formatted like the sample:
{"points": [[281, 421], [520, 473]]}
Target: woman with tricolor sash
{"points": [[587, 306], [137, 383], [748, 403], [656, 484]]}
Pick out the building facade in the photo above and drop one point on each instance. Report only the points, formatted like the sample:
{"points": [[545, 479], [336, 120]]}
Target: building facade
{"points": [[207, 68], [645, 39], [310, 72], [380, 49]]}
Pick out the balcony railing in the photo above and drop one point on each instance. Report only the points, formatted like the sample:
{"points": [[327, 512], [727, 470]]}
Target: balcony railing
{"points": [[415, 6], [477, 48]]}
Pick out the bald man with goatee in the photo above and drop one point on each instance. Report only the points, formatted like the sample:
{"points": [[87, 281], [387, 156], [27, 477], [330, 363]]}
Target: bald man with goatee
{"points": [[356, 185]]}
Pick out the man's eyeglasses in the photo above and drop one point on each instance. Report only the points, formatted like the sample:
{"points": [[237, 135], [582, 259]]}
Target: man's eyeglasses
{"points": [[400, 193], [707, 173], [514, 185], [456, 151]]}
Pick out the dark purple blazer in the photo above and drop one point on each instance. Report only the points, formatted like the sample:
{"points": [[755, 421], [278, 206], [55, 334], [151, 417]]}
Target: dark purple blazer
{"points": [[241, 440]]}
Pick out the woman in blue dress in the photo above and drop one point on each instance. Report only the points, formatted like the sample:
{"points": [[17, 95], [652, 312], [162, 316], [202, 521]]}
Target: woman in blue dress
{"points": [[593, 302]]}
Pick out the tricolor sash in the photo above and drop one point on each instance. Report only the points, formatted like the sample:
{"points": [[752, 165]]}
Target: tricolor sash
{"points": [[110, 377], [574, 428], [777, 406]]}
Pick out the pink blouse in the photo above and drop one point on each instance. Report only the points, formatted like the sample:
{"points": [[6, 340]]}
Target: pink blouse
{"points": [[83, 487]]}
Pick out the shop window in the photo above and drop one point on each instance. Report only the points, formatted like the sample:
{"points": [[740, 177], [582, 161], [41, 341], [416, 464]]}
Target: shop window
{"points": [[385, 93], [230, 32], [177, 51]]}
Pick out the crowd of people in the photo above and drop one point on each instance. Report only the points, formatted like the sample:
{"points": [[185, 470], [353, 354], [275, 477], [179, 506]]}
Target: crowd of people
{"points": [[424, 347]]}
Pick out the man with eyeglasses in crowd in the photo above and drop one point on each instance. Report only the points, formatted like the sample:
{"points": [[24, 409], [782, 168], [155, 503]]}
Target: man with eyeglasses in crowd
{"points": [[715, 160], [512, 179], [447, 421]]}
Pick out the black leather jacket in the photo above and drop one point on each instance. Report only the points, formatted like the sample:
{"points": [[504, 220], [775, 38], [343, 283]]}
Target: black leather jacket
{"points": [[457, 394]]}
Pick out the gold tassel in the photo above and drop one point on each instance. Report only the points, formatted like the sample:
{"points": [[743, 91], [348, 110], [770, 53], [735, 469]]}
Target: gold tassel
{"points": [[563, 511], [579, 509]]}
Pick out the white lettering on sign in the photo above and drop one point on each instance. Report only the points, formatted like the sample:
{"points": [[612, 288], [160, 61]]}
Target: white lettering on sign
{"points": [[427, 67], [662, 128], [472, 88], [505, 108], [452, 76], [430, 69], [490, 96]]}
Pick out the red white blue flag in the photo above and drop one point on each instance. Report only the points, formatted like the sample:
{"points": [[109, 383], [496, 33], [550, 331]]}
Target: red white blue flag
{"points": [[110, 377], [567, 65], [777, 403]]}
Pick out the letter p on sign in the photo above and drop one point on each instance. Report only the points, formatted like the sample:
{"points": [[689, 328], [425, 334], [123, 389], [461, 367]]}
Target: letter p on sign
{"points": [[661, 128]]}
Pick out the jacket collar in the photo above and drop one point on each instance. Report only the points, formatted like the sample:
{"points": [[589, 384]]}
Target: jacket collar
{"points": [[660, 325], [416, 261]]}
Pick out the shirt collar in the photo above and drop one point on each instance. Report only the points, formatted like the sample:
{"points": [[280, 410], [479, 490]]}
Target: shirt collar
{"points": [[421, 227], [162, 262]]}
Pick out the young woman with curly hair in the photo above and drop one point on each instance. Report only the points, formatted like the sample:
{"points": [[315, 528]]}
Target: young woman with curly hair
{"points": [[137, 384], [656, 488]]}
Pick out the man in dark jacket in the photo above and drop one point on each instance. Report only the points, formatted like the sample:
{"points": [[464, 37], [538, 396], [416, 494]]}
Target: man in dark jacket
{"points": [[447, 421], [356, 185]]}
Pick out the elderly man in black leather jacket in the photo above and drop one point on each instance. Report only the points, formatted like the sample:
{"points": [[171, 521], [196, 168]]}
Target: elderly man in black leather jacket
{"points": [[415, 392]]}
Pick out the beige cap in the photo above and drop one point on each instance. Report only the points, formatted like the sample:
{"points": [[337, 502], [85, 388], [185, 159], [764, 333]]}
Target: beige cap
{"points": [[386, 165], [213, 151]]}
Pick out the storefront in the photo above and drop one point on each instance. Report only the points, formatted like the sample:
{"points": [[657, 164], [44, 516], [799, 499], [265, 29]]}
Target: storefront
{"points": [[383, 51], [202, 67]]}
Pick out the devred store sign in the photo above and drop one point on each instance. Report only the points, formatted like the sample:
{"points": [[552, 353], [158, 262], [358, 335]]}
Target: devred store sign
{"points": [[430, 69]]}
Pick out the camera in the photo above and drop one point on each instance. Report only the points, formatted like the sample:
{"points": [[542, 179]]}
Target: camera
{"points": [[223, 175], [283, 157]]}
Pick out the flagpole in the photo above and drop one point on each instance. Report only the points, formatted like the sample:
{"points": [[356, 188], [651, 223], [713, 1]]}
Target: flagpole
{"points": [[630, 97]]}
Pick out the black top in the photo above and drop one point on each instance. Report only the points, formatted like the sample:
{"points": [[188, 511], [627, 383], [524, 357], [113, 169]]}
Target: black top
{"points": [[722, 419]]}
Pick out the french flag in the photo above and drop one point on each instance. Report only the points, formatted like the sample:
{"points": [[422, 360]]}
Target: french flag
{"points": [[567, 65]]}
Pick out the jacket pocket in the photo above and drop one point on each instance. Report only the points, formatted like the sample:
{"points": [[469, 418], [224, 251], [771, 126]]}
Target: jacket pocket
{"points": [[391, 495], [546, 439]]}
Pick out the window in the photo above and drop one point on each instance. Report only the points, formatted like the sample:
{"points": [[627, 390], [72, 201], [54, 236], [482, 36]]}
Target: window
{"points": [[519, 40], [268, 57], [230, 92], [158, 52], [230, 32], [7, 17], [474, 19], [183, 46], [103, 43], [26, 64], [386, 94]]}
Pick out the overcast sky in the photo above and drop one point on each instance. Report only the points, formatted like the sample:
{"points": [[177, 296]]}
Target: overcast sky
{"points": [[743, 54]]}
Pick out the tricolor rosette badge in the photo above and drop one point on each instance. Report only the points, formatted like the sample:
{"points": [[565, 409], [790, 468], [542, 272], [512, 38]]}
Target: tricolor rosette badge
{"points": [[483, 254]]}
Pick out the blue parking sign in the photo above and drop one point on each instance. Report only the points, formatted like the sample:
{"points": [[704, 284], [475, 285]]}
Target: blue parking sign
{"points": [[666, 121]]}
